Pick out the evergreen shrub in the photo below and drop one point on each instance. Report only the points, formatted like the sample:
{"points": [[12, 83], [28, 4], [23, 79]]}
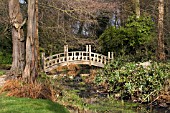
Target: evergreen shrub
{"points": [[133, 81], [135, 37]]}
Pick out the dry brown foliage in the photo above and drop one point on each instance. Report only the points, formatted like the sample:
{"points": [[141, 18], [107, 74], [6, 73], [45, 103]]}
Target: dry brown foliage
{"points": [[36, 90], [70, 67], [61, 68], [72, 73], [92, 76]]}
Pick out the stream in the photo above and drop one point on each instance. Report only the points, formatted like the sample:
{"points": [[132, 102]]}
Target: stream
{"points": [[81, 81]]}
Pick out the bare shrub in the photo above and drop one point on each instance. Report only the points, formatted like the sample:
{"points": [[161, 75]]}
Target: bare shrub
{"points": [[36, 90]]}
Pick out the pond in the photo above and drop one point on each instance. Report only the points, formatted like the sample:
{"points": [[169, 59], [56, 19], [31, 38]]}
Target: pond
{"points": [[80, 85]]}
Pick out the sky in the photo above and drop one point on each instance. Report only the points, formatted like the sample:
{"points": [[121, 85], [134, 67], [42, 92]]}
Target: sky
{"points": [[22, 1]]}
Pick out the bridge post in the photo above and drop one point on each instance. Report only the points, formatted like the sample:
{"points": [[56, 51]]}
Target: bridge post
{"points": [[66, 52], [108, 56], [112, 55], [87, 51], [90, 55], [87, 48]]}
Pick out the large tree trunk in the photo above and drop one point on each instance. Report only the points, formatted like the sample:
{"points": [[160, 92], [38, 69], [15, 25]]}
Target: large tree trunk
{"points": [[18, 40], [160, 50], [37, 36], [31, 68]]}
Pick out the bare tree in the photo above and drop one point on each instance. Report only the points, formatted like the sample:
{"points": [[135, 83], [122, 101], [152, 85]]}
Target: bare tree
{"points": [[137, 8], [69, 20], [18, 39], [136, 5], [160, 49]]}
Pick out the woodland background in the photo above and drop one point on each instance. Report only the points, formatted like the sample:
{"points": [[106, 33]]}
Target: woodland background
{"points": [[77, 23]]}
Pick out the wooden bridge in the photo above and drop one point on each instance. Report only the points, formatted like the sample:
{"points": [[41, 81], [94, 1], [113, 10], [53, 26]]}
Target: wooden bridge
{"points": [[75, 57]]}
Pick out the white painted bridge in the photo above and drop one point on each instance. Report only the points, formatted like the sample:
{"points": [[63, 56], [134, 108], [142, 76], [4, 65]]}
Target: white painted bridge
{"points": [[75, 57]]}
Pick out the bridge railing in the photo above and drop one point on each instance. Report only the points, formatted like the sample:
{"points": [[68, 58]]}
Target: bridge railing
{"points": [[84, 56], [78, 55]]}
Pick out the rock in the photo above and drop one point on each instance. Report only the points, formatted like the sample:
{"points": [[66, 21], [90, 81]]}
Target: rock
{"points": [[164, 105], [2, 80], [145, 64], [84, 75], [78, 78]]}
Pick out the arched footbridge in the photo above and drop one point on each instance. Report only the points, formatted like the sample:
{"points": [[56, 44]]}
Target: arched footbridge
{"points": [[75, 57]]}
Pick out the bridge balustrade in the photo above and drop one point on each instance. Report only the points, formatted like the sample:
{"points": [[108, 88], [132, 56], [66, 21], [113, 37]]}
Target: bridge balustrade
{"points": [[75, 57]]}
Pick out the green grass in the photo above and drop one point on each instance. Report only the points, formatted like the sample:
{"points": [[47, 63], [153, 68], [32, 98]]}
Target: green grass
{"points": [[27, 105], [109, 104], [2, 72], [101, 105], [71, 98]]}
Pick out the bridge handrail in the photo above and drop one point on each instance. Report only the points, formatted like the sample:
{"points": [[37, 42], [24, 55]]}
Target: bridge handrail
{"points": [[81, 54], [59, 54], [74, 56], [52, 56], [94, 58]]}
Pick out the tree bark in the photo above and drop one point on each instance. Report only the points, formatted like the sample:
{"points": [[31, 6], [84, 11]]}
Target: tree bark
{"points": [[37, 36], [160, 49], [137, 7], [18, 55], [31, 68]]}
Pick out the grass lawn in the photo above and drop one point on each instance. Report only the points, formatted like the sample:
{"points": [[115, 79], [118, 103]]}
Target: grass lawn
{"points": [[2, 72], [27, 105]]}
